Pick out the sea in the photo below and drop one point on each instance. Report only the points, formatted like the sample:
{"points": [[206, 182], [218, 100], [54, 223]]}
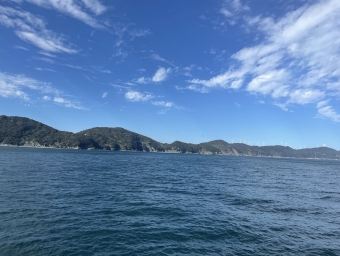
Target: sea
{"points": [[91, 202]]}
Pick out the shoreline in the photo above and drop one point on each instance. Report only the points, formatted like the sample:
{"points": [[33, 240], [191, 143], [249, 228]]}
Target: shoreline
{"points": [[167, 152]]}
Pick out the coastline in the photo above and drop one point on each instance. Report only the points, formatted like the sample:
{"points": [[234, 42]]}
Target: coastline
{"points": [[166, 152]]}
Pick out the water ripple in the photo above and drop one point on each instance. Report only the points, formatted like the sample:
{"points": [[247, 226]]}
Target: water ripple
{"points": [[68, 202]]}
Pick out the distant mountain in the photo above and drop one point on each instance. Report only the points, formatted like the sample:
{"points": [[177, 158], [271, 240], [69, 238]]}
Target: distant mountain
{"points": [[21, 131]]}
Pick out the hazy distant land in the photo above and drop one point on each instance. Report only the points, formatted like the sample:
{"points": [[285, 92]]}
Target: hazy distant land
{"points": [[21, 131]]}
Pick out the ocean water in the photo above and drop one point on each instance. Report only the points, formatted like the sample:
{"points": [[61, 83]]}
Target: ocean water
{"points": [[69, 202]]}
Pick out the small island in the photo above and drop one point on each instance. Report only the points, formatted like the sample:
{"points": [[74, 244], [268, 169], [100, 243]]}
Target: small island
{"points": [[21, 131]]}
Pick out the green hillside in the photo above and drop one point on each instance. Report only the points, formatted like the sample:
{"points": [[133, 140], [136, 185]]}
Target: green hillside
{"points": [[21, 131]]}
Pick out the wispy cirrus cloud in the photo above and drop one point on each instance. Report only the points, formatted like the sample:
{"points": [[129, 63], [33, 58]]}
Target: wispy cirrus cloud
{"points": [[159, 58], [32, 29], [295, 63], [326, 111], [22, 87], [95, 6], [20, 47], [193, 87], [126, 33], [104, 95], [76, 9], [160, 75], [64, 102], [49, 42], [232, 8], [45, 69], [139, 33], [230, 13], [17, 84], [166, 106]]}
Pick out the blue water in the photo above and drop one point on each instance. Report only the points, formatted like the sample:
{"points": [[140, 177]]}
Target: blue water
{"points": [[69, 202]]}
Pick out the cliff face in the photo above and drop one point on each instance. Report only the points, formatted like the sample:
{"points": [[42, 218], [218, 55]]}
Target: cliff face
{"points": [[20, 131]]}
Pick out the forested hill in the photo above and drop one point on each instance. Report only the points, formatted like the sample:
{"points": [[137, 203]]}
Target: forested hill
{"points": [[21, 131]]}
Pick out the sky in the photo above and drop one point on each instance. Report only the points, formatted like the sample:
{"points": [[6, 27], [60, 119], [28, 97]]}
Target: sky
{"points": [[258, 72]]}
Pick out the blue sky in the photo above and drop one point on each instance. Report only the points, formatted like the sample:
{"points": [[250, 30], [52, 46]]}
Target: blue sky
{"points": [[261, 72]]}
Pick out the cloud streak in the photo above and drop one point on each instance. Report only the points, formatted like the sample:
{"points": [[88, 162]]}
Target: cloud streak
{"points": [[75, 9], [32, 29], [20, 86], [326, 111]]}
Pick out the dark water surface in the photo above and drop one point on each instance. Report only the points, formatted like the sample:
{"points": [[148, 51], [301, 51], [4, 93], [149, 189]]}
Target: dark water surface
{"points": [[69, 202]]}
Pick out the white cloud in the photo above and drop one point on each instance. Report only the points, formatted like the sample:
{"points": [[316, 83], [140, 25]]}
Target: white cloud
{"points": [[45, 69], [48, 54], [48, 43], [238, 6], [121, 53], [225, 12], [137, 96], [272, 82], [120, 87], [126, 32], [224, 80], [95, 6], [159, 58], [297, 61], [33, 30], [143, 80], [20, 47], [139, 33], [104, 95], [166, 104], [21, 82], [162, 111], [20, 20], [48, 60], [194, 87], [305, 96], [231, 10], [326, 111], [67, 103], [187, 70], [161, 74], [74, 9], [322, 103], [75, 67], [8, 90], [283, 106], [101, 70], [18, 86]]}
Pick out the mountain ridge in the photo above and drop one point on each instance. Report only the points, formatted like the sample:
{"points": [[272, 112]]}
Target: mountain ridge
{"points": [[22, 131]]}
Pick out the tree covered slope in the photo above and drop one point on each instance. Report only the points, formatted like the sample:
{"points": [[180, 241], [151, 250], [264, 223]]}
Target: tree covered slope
{"points": [[21, 131]]}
